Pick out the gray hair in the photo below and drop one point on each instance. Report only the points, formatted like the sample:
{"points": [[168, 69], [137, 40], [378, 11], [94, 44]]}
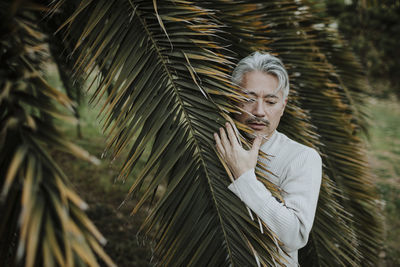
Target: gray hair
{"points": [[264, 62]]}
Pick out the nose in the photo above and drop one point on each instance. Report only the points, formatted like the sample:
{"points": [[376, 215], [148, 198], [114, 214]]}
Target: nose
{"points": [[258, 108]]}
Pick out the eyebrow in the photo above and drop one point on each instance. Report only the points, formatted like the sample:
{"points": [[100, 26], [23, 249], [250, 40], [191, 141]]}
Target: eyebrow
{"points": [[265, 96]]}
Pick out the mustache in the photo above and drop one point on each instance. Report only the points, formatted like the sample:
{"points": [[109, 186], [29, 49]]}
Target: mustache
{"points": [[257, 120]]}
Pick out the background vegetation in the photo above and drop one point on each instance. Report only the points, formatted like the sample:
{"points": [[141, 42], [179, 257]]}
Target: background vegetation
{"points": [[384, 153], [120, 229], [372, 29], [325, 111]]}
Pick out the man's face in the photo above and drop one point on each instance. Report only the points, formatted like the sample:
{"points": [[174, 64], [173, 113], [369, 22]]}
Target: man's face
{"points": [[264, 109]]}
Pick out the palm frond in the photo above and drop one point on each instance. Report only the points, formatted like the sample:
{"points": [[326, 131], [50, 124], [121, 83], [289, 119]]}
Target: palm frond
{"points": [[168, 63], [43, 220], [286, 38], [169, 93], [329, 94]]}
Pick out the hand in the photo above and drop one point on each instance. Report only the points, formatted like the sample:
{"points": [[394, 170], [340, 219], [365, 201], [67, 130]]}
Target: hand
{"points": [[238, 159]]}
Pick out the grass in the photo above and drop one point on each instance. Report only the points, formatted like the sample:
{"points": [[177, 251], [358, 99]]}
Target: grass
{"points": [[384, 157]]}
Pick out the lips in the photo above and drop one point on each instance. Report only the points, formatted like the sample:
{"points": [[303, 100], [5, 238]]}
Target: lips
{"points": [[257, 126]]}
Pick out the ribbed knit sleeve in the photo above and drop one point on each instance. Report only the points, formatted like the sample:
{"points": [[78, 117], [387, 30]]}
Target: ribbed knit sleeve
{"points": [[291, 221]]}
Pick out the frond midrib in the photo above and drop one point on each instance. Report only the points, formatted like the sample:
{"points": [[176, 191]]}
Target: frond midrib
{"points": [[191, 130]]}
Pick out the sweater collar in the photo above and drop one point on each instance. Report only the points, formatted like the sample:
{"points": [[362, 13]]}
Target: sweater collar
{"points": [[270, 140]]}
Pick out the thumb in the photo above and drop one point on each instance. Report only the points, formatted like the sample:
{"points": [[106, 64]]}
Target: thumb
{"points": [[257, 143]]}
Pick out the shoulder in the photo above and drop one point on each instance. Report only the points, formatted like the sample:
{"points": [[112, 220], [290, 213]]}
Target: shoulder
{"points": [[303, 164]]}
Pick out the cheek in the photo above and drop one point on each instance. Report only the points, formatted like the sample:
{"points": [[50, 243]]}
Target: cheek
{"points": [[277, 113], [238, 116], [246, 107], [281, 111], [241, 117]]}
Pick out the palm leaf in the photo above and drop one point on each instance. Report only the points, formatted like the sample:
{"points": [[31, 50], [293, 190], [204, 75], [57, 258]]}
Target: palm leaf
{"points": [[165, 75], [329, 96], [338, 119], [169, 68], [285, 39], [43, 222]]}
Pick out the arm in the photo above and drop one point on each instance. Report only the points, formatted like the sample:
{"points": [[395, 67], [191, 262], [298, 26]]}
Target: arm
{"points": [[291, 221]]}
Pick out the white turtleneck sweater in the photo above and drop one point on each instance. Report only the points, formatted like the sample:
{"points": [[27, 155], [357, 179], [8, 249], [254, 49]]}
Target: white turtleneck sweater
{"points": [[298, 171]]}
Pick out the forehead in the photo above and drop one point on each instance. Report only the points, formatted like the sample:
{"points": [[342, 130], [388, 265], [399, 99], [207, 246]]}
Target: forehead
{"points": [[260, 84]]}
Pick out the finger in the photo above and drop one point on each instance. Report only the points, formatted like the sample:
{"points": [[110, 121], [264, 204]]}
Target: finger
{"points": [[257, 143], [231, 134], [220, 148], [224, 139]]}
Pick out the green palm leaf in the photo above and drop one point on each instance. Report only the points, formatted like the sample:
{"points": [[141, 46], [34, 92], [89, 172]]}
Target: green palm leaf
{"points": [[168, 63], [333, 240], [43, 222], [331, 98], [165, 71]]}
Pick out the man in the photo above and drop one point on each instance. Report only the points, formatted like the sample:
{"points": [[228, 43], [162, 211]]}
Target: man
{"points": [[296, 168]]}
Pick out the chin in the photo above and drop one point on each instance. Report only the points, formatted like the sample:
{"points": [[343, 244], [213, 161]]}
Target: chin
{"points": [[265, 134], [255, 133]]}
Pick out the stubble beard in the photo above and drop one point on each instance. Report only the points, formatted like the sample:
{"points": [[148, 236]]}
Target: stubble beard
{"points": [[255, 133]]}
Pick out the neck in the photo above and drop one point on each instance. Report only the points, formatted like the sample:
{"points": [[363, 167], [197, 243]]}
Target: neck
{"points": [[267, 137]]}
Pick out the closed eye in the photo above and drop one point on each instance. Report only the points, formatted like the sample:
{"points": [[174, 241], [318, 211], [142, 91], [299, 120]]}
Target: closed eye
{"points": [[250, 100]]}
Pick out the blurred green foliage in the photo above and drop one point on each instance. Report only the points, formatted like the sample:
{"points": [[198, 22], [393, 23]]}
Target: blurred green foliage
{"points": [[384, 153], [99, 187], [372, 29]]}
